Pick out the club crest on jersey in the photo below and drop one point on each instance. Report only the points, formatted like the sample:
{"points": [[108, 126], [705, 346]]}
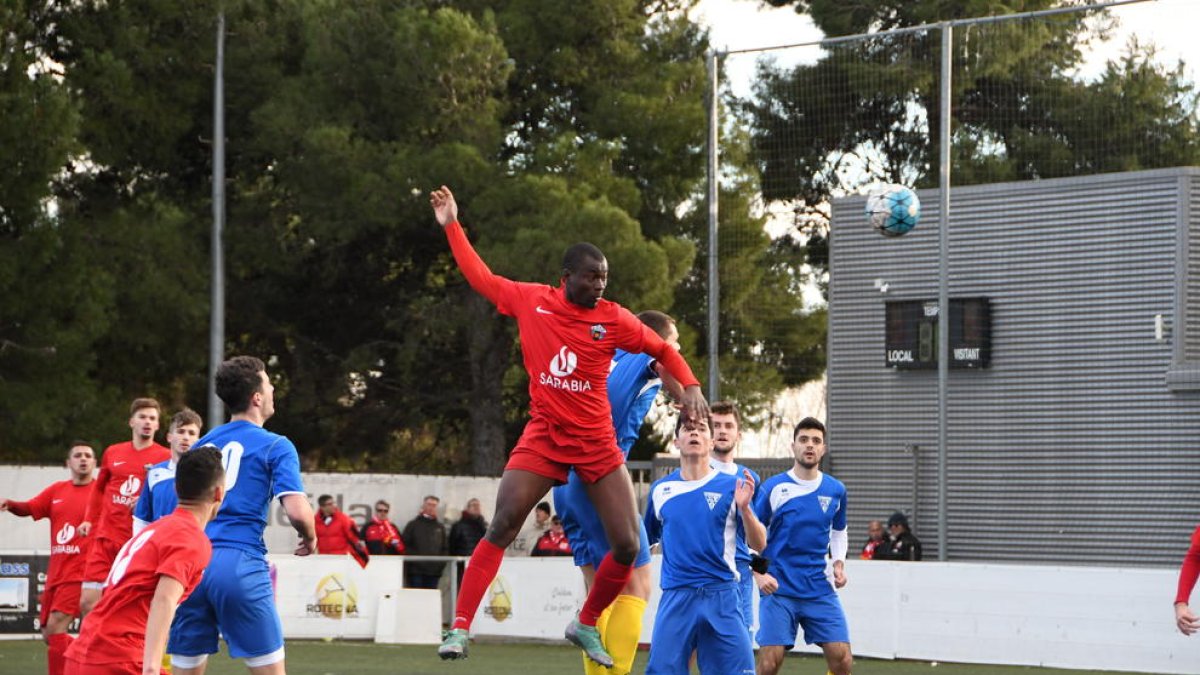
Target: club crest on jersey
{"points": [[712, 498], [824, 502], [598, 332]]}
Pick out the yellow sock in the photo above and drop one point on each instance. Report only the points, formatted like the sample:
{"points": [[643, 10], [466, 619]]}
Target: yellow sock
{"points": [[624, 630], [590, 667]]}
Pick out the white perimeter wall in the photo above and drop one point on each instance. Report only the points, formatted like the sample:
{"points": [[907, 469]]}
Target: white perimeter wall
{"points": [[1068, 617]]}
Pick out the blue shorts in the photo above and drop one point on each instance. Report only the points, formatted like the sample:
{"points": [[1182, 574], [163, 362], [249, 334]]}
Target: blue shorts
{"points": [[707, 621], [585, 531], [746, 594], [234, 599], [821, 618]]}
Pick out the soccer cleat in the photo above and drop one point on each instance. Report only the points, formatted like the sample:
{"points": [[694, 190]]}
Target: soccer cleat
{"points": [[454, 646], [588, 639]]}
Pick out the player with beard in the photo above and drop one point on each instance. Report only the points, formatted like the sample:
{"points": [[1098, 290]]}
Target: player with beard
{"points": [[727, 434], [64, 503], [569, 336], [805, 514], [109, 518]]}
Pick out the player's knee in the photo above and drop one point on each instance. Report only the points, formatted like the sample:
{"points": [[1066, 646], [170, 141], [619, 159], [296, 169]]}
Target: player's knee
{"points": [[625, 552], [504, 528]]}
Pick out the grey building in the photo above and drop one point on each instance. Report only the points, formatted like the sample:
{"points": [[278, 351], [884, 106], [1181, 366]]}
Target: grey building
{"points": [[1078, 440]]}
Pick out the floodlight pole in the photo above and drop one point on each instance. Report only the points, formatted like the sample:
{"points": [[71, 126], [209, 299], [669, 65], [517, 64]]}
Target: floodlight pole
{"points": [[714, 286], [943, 339], [216, 337]]}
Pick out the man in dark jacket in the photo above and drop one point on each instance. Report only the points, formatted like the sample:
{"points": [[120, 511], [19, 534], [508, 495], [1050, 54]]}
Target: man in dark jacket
{"points": [[901, 544], [467, 532], [425, 535]]}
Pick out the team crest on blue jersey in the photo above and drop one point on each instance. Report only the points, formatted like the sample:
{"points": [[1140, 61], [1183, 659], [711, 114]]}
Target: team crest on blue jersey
{"points": [[713, 498], [598, 332], [824, 501]]}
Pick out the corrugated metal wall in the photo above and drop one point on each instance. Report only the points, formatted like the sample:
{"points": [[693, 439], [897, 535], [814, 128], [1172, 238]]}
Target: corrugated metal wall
{"points": [[1070, 448]]}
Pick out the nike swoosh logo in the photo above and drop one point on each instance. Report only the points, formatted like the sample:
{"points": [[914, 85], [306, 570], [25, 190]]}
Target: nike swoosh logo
{"points": [[56, 501], [542, 311], [118, 463]]}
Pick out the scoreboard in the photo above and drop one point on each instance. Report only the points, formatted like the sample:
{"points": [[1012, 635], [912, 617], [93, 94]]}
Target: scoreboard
{"points": [[911, 333]]}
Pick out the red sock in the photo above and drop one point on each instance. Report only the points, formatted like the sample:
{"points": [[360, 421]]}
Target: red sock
{"points": [[611, 577], [55, 650], [485, 561]]}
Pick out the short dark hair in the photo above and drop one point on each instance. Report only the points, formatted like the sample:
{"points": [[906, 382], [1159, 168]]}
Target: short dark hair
{"points": [[198, 474], [238, 381], [808, 423], [544, 507], [185, 417], [576, 254], [726, 407], [323, 500], [76, 443], [140, 403], [659, 322], [433, 497]]}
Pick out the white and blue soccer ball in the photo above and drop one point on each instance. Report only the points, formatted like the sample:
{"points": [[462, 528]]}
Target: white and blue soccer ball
{"points": [[893, 210]]}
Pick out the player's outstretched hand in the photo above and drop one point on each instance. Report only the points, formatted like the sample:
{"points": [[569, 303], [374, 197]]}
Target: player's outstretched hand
{"points": [[1185, 620], [85, 528], [767, 584], [694, 405], [445, 209], [745, 490], [307, 546], [3, 504]]}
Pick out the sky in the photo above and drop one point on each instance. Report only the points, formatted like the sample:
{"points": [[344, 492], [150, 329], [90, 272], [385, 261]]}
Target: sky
{"points": [[746, 24]]}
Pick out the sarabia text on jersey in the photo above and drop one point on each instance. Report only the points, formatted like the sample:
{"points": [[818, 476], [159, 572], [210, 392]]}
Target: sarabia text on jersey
{"points": [[122, 471], [800, 516], [698, 525], [115, 631], [64, 503], [260, 466]]}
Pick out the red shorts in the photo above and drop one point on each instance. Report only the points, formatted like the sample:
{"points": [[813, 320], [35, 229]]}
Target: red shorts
{"points": [[62, 597], [74, 667], [548, 450], [100, 560]]}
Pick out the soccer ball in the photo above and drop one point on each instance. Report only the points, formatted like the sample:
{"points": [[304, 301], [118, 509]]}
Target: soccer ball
{"points": [[893, 210]]}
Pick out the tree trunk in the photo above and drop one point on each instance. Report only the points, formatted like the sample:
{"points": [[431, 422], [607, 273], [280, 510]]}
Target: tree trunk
{"points": [[489, 341]]}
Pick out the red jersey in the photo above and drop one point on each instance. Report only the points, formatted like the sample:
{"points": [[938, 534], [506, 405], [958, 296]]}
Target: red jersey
{"points": [[335, 533], [64, 503], [1190, 570], [568, 349], [117, 486], [552, 543], [115, 630]]}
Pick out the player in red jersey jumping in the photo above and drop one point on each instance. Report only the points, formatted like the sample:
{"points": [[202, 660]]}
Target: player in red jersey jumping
{"points": [[151, 575], [109, 519], [64, 503], [568, 337]]}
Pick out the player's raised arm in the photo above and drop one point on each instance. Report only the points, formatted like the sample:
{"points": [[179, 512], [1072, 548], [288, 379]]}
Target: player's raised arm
{"points": [[692, 400], [481, 278], [756, 532]]}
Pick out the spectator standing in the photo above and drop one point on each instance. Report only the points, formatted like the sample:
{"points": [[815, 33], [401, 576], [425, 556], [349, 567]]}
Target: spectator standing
{"points": [[381, 534], [466, 533], [553, 542], [425, 535], [336, 533], [875, 539], [902, 544]]}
